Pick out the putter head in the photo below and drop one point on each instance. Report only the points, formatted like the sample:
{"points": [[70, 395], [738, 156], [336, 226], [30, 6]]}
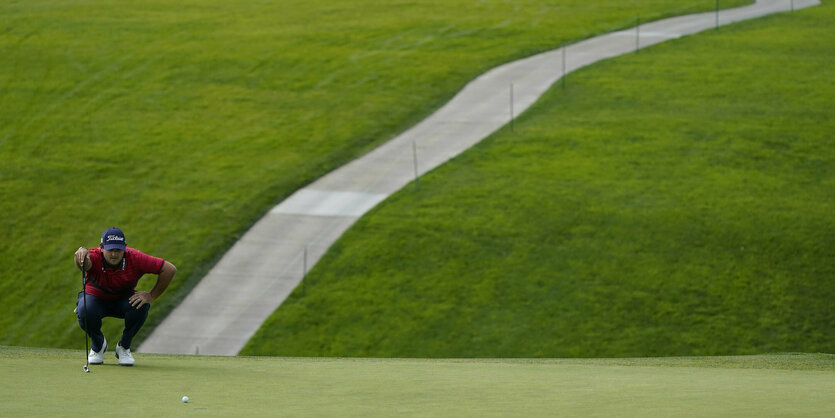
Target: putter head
{"points": [[86, 369]]}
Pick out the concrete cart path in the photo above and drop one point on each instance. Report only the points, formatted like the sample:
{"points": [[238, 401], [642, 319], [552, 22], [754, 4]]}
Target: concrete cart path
{"points": [[231, 302]]}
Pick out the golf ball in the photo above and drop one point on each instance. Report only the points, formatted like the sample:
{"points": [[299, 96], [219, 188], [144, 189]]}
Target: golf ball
{"points": [[185, 399]]}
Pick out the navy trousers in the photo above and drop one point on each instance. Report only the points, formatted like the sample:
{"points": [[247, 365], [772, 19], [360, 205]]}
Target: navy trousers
{"points": [[97, 309]]}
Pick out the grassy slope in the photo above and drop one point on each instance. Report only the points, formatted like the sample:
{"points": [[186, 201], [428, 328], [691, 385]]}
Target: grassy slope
{"points": [[673, 202], [184, 123], [36, 382]]}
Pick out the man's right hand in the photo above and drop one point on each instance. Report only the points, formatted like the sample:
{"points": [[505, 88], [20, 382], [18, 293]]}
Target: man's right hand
{"points": [[82, 258]]}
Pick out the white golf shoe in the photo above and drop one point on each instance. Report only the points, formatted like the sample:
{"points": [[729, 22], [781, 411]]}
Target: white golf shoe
{"points": [[97, 357], [124, 356]]}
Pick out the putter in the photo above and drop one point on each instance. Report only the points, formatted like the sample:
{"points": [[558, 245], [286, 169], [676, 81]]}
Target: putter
{"points": [[84, 296]]}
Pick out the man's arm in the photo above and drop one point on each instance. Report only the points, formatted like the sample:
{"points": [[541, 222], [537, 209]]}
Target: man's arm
{"points": [[163, 280]]}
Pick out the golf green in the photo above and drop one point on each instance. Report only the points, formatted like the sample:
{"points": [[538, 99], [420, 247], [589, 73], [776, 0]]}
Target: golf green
{"points": [[52, 383]]}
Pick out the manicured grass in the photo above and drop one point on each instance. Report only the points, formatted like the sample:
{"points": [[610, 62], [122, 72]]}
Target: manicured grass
{"points": [[51, 383], [678, 201], [183, 123]]}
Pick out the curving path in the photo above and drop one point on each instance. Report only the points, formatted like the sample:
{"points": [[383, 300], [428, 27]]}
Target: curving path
{"points": [[231, 302]]}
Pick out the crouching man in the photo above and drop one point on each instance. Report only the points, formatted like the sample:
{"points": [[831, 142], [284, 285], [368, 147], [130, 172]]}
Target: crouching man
{"points": [[113, 270]]}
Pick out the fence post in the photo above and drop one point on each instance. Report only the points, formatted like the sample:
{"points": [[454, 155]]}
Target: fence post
{"points": [[511, 107], [414, 161], [563, 67], [638, 33]]}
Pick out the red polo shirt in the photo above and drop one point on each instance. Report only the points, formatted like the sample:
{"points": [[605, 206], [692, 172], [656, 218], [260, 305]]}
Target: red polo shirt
{"points": [[109, 283]]}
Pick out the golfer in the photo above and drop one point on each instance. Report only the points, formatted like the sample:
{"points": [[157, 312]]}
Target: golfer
{"points": [[113, 270]]}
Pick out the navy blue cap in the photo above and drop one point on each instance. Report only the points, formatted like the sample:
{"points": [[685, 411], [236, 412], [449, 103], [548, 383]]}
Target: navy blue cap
{"points": [[113, 239]]}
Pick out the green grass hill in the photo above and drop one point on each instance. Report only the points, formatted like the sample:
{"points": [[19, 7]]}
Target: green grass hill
{"points": [[676, 201], [184, 123]]}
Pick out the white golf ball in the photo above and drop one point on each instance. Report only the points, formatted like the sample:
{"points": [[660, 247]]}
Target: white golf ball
{"points": [[185, 399]]}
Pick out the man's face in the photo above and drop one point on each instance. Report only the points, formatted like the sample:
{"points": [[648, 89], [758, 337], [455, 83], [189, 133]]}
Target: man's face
{"points": [[113, 257]]}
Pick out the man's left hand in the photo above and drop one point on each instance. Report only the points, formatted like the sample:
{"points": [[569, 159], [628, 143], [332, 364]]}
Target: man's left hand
{"points": [[140, 298]]}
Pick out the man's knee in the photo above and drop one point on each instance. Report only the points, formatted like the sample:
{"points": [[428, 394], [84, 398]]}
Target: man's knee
{"points": [[141, 312], [88, 312], [81, 307]]}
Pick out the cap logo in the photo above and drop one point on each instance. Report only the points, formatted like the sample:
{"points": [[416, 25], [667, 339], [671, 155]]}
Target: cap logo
{"points": [[115, 238]]}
